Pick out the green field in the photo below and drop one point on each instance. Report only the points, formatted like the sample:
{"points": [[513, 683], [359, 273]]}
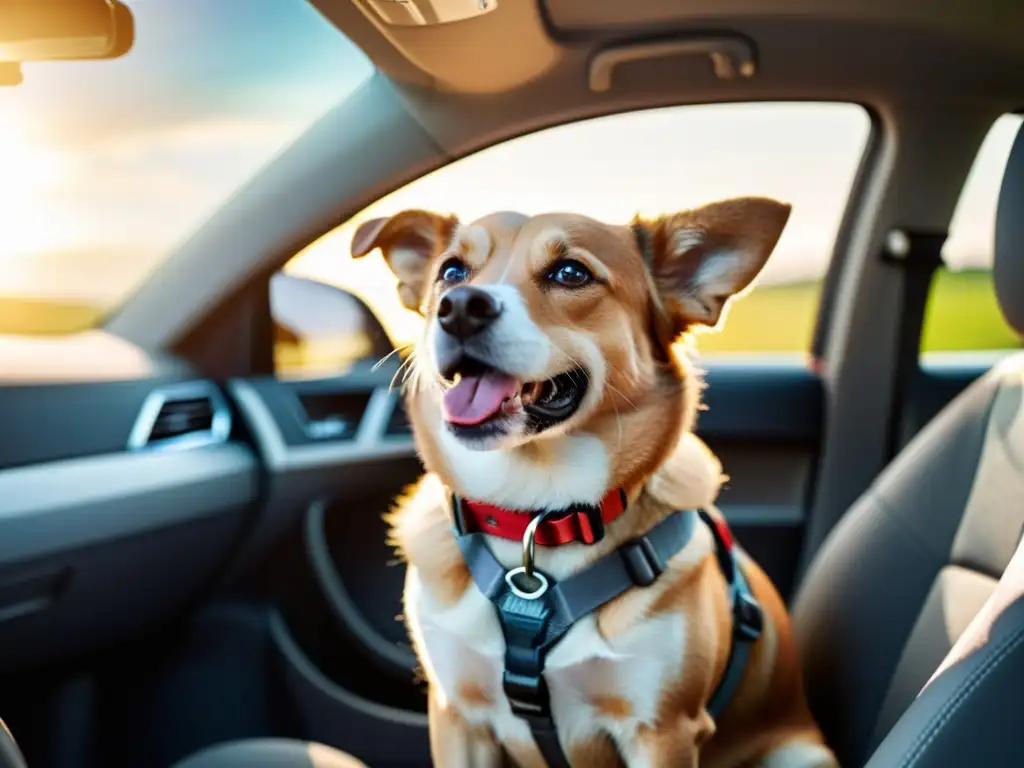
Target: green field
{"points": [[962, 315]]}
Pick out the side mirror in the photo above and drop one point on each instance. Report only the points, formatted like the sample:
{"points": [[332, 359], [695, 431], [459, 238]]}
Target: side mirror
{"points": [[54, 30], [321, 330]]}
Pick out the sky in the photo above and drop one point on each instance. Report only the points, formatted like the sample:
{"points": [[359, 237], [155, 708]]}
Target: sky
{"points": [[106, 166]]}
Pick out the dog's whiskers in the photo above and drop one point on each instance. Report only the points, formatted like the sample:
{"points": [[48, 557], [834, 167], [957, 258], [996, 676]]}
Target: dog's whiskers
{"points": [[416, 378], [622, 394], [579, 369], [403, 371], [389, 355]]}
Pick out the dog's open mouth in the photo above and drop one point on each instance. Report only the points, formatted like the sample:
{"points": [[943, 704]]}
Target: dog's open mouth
{"points": [[481, 396]]}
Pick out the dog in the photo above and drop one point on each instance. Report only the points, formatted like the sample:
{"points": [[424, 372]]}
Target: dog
{"points": [[549, 386]]}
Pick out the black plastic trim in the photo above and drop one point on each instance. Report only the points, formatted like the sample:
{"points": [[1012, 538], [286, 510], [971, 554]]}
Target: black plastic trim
{"points": [[762, 400], [50, 422], [391, 657], [376, 734]]}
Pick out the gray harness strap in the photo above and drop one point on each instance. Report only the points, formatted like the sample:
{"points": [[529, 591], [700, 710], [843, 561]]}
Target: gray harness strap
{"points": [[534, 625], [636, 563]]}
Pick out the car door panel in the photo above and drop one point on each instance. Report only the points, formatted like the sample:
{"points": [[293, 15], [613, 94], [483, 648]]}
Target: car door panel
{"points": [[120, 498], [47, 421]]}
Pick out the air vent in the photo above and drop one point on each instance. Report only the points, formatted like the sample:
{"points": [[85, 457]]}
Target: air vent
{"points": [[182, 416], [333, 415]]}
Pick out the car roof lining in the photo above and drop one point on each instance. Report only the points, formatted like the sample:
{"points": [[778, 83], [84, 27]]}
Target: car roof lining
{"points": [[524, 41]]}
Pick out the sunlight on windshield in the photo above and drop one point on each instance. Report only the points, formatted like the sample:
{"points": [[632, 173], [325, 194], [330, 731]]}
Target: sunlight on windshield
{"points": [[29, 171], [106, 166]]}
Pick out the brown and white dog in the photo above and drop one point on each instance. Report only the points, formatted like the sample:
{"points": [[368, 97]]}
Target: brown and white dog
{"points": [[547, 376]]}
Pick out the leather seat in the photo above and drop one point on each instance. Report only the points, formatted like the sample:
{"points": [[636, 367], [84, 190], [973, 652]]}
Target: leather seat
{"points": [[909, 568], [269, 753]]}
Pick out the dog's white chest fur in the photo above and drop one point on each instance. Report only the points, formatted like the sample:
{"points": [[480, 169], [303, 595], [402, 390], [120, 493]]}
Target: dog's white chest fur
{"points": [[462, 648]]}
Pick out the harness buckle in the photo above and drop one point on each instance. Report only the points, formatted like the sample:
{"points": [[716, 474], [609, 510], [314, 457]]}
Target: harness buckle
{"points": [[528, 696], [748, 617], [642, 562]]}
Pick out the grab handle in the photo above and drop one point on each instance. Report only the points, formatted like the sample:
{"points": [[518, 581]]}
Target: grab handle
{"points": [[730, 56]]}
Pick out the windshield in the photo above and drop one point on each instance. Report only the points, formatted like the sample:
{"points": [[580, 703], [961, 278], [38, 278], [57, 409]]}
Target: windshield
{"points": [[105, 166]]}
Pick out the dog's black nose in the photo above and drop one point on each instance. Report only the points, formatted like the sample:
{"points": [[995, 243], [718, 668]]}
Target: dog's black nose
{"points": [[464, 311]]}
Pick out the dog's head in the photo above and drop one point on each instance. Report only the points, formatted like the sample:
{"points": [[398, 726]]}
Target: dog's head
{"points": [[538, 328]]}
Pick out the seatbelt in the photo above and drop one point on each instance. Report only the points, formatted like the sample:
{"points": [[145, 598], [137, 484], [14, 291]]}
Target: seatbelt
{"points": [[918, 254], [535, 612]]}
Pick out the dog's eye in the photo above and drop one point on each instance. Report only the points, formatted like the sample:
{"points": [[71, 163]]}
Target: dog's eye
{"points": [[570, 274], [453, 271]]}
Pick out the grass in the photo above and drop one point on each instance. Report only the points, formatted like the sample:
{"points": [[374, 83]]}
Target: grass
{"points": [[771, 318], [962, 314]]}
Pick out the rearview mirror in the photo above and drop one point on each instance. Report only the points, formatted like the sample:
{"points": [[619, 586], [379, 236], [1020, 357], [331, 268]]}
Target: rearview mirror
{"points": [[51, 30]]}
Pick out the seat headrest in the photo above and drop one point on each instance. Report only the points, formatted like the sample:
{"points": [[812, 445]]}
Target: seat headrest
{"points": [[1008, 269]]}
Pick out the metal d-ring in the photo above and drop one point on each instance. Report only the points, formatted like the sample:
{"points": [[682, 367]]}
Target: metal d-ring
{"points": [[528, 536], [527, 568]]}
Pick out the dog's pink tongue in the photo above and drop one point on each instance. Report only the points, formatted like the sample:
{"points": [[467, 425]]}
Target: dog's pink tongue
{"points": [[476, 398]]}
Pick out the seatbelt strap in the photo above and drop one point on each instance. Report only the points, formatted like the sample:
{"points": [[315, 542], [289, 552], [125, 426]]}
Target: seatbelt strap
{"points": [[918, 254]]}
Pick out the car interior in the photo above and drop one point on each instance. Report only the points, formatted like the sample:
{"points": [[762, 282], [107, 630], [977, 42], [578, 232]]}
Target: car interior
{"points": [[200, 437]]}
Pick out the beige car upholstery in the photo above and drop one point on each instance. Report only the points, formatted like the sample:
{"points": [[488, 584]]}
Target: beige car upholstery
{"points": [[912, 564], [269, 753]]}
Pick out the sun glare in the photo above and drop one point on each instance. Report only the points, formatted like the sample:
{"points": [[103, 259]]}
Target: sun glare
{"points": [[27, 173]]}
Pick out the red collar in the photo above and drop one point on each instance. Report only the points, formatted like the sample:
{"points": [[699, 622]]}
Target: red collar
{"points": [[582, 523]]}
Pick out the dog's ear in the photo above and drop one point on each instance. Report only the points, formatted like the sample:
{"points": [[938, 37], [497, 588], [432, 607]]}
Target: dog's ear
{"points": [[700, 259], [409, 242]]}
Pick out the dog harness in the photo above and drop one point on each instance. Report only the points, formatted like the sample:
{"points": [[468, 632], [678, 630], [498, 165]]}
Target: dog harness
{"points": [[536, 612]]}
